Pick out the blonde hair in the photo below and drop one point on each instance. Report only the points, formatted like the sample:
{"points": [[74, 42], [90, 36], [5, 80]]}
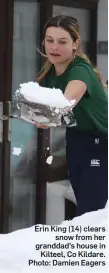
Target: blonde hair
{"points": [[71, 25]]}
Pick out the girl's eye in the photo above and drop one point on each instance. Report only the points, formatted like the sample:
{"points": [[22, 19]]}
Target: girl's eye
{"points": [[62, 42], [50, 41]]}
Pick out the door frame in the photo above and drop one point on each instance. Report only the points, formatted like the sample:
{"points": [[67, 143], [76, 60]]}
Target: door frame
{"points": [[45, 13], [6, 53], [44, 141], [6, 28]]}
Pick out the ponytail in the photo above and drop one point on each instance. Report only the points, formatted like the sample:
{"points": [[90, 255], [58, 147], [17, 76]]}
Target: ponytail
{"points": [[97, 72], [47, 66]]}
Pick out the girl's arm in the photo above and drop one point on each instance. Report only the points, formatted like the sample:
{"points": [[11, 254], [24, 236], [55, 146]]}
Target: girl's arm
{"points": [[75, 90]]}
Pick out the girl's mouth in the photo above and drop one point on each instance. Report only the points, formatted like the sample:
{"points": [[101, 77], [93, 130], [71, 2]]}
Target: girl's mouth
{"points": [[55, 54]]}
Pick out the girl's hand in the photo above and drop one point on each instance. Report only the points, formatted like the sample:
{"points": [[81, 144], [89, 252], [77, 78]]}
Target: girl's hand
{"points": [[41, 126]]}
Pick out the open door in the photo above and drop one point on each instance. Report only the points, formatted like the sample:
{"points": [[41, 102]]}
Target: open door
{"points": [[19, 181], [83, 13], [23, 172]]}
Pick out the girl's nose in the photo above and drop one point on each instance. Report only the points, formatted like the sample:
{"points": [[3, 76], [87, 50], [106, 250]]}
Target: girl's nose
{"points": [[55, 46]]}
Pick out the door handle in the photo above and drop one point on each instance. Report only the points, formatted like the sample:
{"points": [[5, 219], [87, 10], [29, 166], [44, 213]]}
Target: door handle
{"points": [[9, 121], [6, 117]]}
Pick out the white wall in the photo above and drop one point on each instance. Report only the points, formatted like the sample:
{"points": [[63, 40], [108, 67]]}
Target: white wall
{"points": [[82, 15], [102, 60]]}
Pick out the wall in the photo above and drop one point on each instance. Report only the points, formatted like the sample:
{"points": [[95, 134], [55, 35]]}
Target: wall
{"points": [[82, 15], [102, 60]]}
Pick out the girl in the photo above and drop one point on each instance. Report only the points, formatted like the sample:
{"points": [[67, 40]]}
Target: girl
{"points": [[68, 69]]}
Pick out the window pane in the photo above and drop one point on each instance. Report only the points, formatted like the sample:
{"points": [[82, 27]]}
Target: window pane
{"points": [[23, 134]]}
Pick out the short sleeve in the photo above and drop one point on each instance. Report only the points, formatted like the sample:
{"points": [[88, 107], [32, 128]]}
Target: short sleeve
{"points": [[83, 74]]}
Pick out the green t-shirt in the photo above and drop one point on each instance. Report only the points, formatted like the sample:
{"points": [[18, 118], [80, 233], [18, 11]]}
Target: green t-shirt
{"points": [[91, 113]]}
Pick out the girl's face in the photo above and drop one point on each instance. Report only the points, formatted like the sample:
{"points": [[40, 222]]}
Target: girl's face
{"points": [[59, 45]]}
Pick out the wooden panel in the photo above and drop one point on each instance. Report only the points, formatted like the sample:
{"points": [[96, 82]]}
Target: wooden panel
{"points": [[58, 170], [2, 46], [102, 47], [6, 22], [83, 4], [92, 46], [70, 210], [43, 136], [2, 81]]}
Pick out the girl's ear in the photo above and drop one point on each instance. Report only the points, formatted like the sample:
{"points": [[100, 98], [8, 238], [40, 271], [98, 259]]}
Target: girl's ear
{"points": [[76, 44], [43, 43], [43, 46]]}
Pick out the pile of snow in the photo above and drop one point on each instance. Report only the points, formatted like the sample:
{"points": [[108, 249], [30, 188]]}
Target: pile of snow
{"points": [[33, 92], [46, 105], [49, 159], [19, 247]]}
